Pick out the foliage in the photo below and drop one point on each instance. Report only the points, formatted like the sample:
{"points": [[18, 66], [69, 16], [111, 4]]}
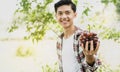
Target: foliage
{"points": [[107, 33], [118, 8], [106, 2], [48, 68], [86, 11], [97, 23], [35, 17], [107, 68], [24, 51], [75, 1], [103, 68], [111, 33], [116, 3]]}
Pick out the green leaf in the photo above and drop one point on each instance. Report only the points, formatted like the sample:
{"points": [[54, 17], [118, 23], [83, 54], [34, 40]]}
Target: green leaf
{"points": [[105, 2], [86, 11]]}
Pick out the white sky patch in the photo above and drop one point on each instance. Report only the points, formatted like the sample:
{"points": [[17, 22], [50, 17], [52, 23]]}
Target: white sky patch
{"points": [[7, 9]]}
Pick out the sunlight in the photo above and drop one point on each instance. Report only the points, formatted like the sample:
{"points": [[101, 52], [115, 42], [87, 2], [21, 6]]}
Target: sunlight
{"points": [[44, 52]]}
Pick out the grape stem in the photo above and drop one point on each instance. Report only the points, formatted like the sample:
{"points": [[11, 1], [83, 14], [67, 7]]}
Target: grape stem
{"points": [[89, 28]]}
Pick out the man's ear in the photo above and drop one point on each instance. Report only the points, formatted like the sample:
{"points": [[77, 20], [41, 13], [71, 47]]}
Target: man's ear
{"points": [[75, 14]]}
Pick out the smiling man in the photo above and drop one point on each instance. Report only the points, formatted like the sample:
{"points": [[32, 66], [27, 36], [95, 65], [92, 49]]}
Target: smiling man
{"points": [[72, 56]]}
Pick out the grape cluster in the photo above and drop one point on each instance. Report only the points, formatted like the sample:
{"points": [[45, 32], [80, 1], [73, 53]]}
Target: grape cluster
{"points": [[88, 36]]}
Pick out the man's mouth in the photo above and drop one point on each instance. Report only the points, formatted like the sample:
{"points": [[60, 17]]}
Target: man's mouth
{"points": [[65, 22]]}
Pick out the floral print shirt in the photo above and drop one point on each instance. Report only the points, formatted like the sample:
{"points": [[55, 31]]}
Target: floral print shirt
{"points": [[84, 67]]}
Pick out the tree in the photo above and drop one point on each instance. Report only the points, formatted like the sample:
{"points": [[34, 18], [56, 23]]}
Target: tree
{"points": [[116, 3], [36, 17], [112, 33]]}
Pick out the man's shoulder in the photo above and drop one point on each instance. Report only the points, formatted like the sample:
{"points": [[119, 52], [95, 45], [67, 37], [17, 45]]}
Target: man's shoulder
{"points": [[61, 35], [80, 30]]}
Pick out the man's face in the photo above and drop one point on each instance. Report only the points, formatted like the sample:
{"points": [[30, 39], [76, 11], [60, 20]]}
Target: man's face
{"points": [[65, 15]]}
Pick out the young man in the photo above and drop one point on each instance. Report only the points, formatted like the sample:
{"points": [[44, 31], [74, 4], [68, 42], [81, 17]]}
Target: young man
{"points": [[73, 57]]}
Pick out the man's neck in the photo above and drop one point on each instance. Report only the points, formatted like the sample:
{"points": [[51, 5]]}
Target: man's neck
{"points": [[69, 31]]}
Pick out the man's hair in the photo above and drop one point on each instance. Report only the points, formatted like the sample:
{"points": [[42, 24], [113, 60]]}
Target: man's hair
{"points": [[65, 2]]}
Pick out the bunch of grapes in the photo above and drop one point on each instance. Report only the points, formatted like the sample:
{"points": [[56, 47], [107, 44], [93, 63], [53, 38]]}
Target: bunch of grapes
{"points": [[88, 36]]}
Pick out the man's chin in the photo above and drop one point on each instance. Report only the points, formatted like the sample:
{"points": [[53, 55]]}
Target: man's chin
{"points": [[65, 27]]}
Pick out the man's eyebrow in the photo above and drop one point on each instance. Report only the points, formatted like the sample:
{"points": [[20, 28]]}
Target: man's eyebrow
{"points": [[65, 11], [59, 11]]}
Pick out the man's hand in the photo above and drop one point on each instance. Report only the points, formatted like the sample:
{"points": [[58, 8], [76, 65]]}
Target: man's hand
{"points": [[89, 54]]}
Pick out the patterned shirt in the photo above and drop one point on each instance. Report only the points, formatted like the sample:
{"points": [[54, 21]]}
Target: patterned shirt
{"points": [[84, 67]]}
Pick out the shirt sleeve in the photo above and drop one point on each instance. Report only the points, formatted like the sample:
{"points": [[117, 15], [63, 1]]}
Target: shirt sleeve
{"points": [[89, 68]]}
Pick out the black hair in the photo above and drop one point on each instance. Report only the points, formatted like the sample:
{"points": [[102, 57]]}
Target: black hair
{"points": [[65, 2]]}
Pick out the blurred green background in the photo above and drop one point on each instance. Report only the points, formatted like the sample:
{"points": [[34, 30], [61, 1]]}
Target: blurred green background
{"points": [[28, 33]]}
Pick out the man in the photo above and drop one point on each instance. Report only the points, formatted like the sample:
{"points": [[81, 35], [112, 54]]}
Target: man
{"points": [[73, 57]]}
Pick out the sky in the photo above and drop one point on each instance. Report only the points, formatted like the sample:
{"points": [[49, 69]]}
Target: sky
{"points": [[7, 9]]}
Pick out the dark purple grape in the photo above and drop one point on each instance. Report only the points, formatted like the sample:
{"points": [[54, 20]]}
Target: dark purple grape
{"points": [[89, 36]]}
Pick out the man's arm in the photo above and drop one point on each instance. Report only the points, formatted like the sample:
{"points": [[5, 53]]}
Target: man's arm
{"points": [[91, 67], [91, 61]]}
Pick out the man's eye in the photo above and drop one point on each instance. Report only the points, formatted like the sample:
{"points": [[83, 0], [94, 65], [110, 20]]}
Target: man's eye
{"points": [[67, 12], [60, 13]]}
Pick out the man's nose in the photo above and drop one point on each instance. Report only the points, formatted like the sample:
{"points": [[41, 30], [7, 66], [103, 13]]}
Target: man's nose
{"points": [[64, 16]]}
